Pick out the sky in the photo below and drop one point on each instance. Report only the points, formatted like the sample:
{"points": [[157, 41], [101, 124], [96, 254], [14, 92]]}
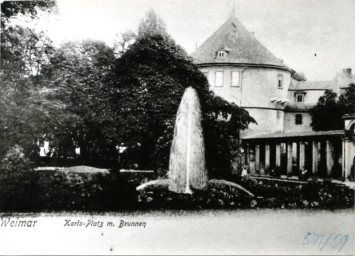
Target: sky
{"points": [[312, 36]]}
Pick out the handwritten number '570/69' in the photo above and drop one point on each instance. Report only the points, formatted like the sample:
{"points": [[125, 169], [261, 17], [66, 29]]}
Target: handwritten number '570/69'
{"points": [[322, 241]]}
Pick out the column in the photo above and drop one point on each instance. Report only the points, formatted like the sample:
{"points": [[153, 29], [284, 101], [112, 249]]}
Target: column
{"points": [[319, 147], [343, 159], [257, 157], [347, 159], [289, 158], [294, 155], [278, 155], [329, 157], [314, 157], [247, 156], [267, 157], [302, 156], [252, 161]]}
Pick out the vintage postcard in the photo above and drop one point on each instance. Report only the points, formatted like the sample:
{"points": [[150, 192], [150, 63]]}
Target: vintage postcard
{"points": [[177, 127]]}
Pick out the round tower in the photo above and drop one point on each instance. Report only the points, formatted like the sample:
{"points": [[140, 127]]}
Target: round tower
{"points": [[241, 70]]}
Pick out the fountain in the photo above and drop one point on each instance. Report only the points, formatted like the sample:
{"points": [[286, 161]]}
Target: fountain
{"points": [[187, 167]]}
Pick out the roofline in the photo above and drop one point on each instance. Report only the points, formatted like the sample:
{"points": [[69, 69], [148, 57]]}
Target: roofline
{"points": [[297, 135], [267, 108], [308, 89], [245, 65]]}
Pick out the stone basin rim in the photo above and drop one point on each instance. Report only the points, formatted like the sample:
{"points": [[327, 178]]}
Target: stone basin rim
{"points": [[165, 183]]}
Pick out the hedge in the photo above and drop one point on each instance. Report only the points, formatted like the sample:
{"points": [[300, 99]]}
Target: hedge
{"points": [[43, 191], [60, 191]]}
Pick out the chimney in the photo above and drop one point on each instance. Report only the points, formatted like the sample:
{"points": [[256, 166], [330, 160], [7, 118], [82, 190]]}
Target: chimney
{"points": [[347, 71]]}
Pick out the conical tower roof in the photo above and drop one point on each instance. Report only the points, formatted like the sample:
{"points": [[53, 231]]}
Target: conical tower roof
{"points": [[240, 45]]}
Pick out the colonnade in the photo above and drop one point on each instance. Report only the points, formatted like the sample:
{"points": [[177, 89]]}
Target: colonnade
{"points": [[295, 156]]}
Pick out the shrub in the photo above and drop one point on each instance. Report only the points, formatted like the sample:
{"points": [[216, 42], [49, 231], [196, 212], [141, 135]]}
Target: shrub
{"points": [[60, 191], [313, 194], [15, 160]]}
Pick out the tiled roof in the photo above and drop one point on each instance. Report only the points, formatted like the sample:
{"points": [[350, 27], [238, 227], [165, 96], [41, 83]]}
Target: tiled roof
{"points": [[311, 85], [341, 80], [239, 44], [296, 134]]}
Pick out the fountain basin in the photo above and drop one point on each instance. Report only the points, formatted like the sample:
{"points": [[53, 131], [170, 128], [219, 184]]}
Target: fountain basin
{"points": [[218, 194]]}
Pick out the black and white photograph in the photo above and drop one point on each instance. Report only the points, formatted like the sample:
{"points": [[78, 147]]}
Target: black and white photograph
{"points": [[177, 127]]}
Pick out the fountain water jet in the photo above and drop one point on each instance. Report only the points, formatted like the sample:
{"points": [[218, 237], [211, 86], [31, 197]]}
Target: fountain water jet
{"points": [[187, 166]]}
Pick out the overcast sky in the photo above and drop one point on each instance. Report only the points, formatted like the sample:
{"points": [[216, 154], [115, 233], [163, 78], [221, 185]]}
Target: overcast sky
{"points": [[312, 36]]}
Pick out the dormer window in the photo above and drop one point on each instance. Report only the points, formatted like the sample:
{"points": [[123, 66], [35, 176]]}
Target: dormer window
{"points": [[221, 54], [280, 81]]}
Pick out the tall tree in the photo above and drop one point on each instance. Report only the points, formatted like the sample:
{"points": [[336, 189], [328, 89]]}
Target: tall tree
{"points": [[152, 25], [328, 113], [151, 77], [23, 52], [347, 99], [76, 74]]}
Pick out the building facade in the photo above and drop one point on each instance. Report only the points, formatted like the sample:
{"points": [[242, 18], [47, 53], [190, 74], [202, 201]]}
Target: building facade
{"points": [[241, 70]]}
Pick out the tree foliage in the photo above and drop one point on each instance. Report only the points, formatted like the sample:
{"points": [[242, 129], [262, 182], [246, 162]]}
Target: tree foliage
{"points": [[31, 9], [347, 99], [75, 76], [23, 53], [15, 160], [328, 113], [123, 41], [152, 25], [298, 76]]}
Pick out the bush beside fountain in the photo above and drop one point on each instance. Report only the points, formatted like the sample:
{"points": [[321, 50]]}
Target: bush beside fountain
{"points": [[313, 194]]}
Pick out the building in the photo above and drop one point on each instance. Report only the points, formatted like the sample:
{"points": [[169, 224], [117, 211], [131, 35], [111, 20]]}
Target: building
{"points": [[241, 70]]}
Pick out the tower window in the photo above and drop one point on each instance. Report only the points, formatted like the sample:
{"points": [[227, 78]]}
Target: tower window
{"points": [[235, 79], [280, 81], [299, 98], [278, 114], [219, 79], [221, 54], [298, 119]]}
